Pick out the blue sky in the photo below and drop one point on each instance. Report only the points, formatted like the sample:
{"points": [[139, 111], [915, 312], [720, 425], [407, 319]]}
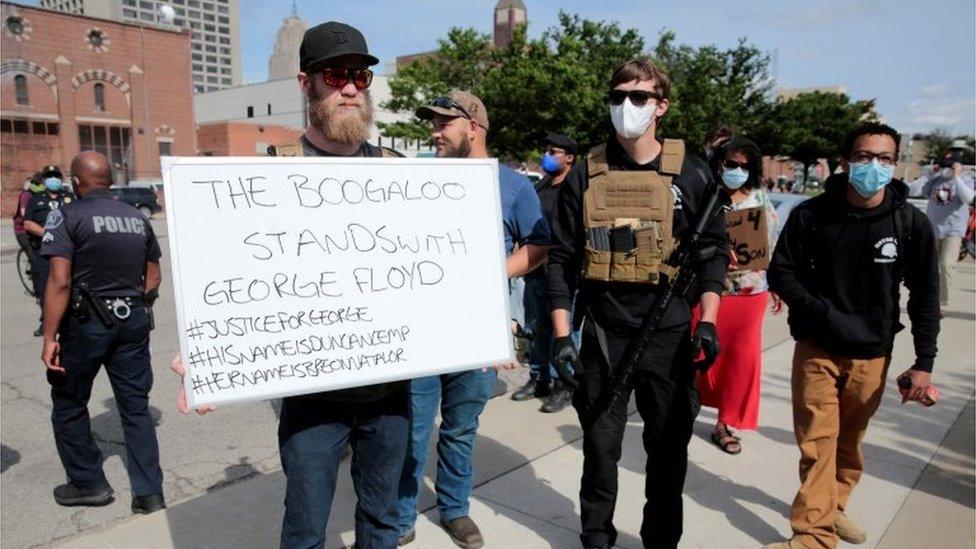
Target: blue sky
{"points": [[917, 58]]}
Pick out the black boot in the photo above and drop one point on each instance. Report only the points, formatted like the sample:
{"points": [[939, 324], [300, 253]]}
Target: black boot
{"points": [[143, 505], [533, 388], [561, 396], [71, 495]]}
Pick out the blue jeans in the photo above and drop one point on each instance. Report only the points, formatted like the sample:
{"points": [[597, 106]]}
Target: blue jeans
{"points": [[312, 435], [462, 397], [538, 323], [124, 350]]}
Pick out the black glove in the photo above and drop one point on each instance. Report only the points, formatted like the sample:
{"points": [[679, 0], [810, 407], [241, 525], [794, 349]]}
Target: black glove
{"points": [[705, 339], [566, 359]]}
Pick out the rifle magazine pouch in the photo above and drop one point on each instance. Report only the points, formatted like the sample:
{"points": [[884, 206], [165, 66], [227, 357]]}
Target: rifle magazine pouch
{"points": [[596, 264]]}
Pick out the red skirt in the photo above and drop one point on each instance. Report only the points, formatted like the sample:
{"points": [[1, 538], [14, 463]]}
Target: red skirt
{"points": [[732, 384]]}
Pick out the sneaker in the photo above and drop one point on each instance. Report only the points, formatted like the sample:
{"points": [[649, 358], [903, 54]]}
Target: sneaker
{"points": [[561, 396], [530, 390], [464, 532], [407, 537], [143, 505], [70, 495], [849, 531]]}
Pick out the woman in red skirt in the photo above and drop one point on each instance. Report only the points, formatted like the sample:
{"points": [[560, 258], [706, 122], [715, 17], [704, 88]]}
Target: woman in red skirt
{"points": [[733, 383]]}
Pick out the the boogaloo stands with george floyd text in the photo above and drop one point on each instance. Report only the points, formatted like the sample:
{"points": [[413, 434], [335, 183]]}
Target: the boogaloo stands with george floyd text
{"points": [[300, 275]]}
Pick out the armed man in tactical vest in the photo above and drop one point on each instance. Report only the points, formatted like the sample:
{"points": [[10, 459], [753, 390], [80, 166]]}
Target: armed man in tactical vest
{"points": [[645, 209]]}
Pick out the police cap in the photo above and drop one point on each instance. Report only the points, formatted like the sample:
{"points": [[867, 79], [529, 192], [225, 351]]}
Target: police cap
{"points": [[562, 142]]}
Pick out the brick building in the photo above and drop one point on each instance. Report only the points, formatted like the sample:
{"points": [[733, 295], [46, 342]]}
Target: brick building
{"points": [[242, 139], [70, 83]]}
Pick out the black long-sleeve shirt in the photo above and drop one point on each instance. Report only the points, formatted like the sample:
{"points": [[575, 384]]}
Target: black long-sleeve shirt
{"points": [[623, 305], [839, 269]]}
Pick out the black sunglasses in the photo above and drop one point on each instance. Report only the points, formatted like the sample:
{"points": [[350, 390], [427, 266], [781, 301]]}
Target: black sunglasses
{"points": [[732, 164], [448, 103], [638, 98]]}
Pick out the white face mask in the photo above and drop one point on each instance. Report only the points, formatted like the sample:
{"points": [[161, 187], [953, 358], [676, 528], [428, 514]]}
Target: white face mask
{"points": [[631, 121]]}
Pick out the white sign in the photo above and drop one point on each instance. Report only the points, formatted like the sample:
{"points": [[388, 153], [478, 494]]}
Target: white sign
{"points": [[300, 275]]}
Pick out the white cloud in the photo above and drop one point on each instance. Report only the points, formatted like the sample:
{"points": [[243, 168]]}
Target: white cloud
{"points": [[821, 14], [935, 90], [958, 115]]}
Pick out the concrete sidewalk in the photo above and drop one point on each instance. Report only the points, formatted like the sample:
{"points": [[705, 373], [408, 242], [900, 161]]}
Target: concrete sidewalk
{"points": [[918, 489]]}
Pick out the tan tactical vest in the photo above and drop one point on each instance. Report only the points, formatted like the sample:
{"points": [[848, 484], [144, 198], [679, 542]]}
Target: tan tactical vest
{"points": [[295, 149], [642, 200]]}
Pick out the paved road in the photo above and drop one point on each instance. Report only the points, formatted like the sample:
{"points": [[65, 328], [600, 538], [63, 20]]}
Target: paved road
{"points": [[225, 488]]}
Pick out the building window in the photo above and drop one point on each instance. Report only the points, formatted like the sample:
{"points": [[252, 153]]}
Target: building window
{"points": [[100, 97], [164, 148], [250, 112], [197, 57], [224, 70], [15, 25], [224, 40], [225, 81], [212, 49], [211, 59], [146, 5], [269, 109], [129, 3], [20, 89], [132, 14]]}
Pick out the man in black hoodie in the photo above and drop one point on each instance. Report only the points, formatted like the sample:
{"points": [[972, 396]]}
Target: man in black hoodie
{"points": [[838, 265]]}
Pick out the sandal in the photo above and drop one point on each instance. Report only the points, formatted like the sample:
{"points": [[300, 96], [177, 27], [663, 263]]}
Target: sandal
{"points": [[724, 439]]}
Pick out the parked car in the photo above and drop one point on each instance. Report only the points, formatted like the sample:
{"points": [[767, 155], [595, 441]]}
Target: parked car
{"points": [[143, 198]]}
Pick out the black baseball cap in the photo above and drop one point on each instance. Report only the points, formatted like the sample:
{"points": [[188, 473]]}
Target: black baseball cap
{"points": [[563, 142], [48, 171], [327, 41]]}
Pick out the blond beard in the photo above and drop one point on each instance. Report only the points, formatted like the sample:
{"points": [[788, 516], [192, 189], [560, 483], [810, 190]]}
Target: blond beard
{"points": [[347, 128]]}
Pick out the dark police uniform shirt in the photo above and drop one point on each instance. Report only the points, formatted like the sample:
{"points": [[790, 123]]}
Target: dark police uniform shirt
{"points": [[107, 241], [42, 204]]}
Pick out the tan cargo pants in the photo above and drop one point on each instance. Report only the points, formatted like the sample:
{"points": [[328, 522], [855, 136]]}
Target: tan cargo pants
{"points": [[833, 400]]}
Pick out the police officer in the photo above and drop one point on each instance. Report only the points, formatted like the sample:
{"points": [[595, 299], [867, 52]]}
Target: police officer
{"points": [[38, 208], [614, 233], [105, 265]]}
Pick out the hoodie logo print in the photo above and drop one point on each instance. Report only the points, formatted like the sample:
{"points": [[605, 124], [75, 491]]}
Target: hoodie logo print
{"points": [[886, 250]]}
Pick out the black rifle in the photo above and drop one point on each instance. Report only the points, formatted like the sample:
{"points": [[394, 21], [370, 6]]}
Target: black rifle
{"points": [[689, 254]]}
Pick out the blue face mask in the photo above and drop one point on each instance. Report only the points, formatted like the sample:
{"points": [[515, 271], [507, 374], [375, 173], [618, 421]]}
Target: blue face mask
{"points": [[52, 184], [550, 165], [868, 178], [734, 179]]}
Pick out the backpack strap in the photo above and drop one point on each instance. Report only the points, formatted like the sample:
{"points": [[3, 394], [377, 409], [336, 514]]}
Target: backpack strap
{"points": [[903, 217], [287, 149], [387, 152]]}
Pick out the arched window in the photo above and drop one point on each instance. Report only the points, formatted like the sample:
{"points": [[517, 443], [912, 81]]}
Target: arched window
{"points": [[99, 97], [20, 87]]}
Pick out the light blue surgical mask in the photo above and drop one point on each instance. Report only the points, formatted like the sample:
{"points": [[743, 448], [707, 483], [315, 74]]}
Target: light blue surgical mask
{"points": [[734, 179], [550, 164], [52, 184], [868, 178]]}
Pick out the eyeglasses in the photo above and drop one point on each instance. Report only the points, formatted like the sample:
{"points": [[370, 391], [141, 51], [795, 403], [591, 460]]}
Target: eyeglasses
{"points": [[338, 77], [637, 97], [732, 164], [884, 159], [448, 103], [553, 150]]}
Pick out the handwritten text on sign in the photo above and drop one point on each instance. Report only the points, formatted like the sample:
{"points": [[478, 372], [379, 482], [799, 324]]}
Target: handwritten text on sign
{"points": [[749, 238], [299, 275]]}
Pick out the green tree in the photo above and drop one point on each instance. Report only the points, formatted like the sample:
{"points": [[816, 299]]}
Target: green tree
{"points": [[554, 83], [939, 140], [712, 86], [813, 125]]}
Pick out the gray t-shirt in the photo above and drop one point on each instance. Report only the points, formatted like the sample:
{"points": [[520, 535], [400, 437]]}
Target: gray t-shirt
{"points": [[949, 200]]}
